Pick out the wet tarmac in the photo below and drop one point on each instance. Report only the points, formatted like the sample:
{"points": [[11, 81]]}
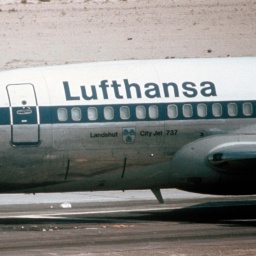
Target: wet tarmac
{"points": [[184, 225]]}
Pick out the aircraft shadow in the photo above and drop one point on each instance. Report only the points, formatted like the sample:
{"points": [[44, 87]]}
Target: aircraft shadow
{"points": [[239, 213], [229, 213]]}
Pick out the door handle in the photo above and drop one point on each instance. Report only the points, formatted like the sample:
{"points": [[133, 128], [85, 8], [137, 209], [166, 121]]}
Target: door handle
{"points": [[26, 111]]}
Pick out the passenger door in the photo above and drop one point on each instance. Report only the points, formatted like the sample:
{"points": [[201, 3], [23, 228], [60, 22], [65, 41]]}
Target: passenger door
{"points": [[24, 115]]}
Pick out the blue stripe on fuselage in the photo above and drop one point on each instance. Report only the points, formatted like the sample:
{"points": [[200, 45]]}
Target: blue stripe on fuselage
{"points": [[48, 114]]}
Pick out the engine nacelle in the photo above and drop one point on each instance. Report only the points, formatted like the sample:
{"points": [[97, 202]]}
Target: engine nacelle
{"points": [[222, 164]]}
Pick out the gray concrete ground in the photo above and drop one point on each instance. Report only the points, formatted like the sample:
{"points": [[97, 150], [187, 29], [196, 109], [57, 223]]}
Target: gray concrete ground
{"points": [[93, 197], [185, 225]]}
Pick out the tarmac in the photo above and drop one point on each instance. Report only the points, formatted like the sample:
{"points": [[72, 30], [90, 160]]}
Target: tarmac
{"points": [[130, 223]]}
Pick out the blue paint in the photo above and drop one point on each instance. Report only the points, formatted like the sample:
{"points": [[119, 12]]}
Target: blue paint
{"points": [[48, 114], [162, 109], [30, 118]]}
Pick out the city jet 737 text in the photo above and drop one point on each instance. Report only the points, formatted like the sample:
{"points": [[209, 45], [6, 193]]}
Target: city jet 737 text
{"points": [[181, 123]]}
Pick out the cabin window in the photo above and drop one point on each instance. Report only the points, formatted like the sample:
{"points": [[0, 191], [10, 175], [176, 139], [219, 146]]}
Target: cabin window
{"points": [[92, 113], [108, 113], [247, 109], [187, 110], [172, 111], [76, 114], [201, 110], [153, 112], [140, 112], [124, 113], [62, 114], [232, 109], [217, 109]]}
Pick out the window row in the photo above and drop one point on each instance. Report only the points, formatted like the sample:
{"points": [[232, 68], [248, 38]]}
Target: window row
{"points": [[108, 112], [153, 111], [216, 110]]}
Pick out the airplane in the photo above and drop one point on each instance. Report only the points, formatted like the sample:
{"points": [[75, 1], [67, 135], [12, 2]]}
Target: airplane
{"points": [[188, 124]]}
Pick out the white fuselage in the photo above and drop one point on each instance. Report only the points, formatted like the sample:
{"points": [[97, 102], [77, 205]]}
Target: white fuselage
{"points": [[127, 125]]}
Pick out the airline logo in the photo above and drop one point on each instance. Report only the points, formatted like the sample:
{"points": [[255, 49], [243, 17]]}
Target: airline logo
{"points": [[129, 135], [126, 89]]}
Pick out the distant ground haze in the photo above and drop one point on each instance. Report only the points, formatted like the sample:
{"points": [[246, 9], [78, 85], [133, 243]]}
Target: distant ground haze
{"points": [[37, 33]]}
